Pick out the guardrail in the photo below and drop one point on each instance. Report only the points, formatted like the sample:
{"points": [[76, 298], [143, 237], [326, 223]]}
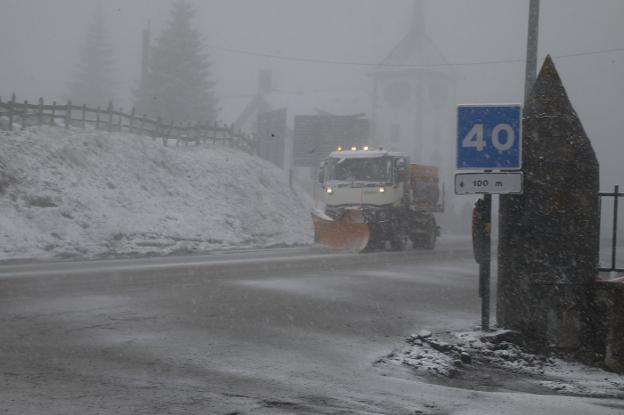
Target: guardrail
{"points": [[109, 119]]}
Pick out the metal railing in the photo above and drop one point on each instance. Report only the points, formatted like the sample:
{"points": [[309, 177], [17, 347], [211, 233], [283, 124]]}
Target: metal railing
{"points": [[615, 195]]}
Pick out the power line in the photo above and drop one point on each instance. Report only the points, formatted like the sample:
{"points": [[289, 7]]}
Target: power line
{"points": [[297, 92], [398, 65], [595, 52]]}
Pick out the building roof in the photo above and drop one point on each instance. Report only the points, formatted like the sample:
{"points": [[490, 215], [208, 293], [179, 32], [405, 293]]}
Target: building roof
{"points": [[416, 51]]}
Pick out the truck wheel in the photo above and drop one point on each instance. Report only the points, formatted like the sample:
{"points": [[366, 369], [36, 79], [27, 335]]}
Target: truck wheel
{"points": [[429, 241], [375, 245], [425, 241], [398, 242]]}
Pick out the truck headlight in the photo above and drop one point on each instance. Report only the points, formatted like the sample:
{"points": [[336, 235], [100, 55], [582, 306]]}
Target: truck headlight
{"points": [[382, 190], [329, 191]]}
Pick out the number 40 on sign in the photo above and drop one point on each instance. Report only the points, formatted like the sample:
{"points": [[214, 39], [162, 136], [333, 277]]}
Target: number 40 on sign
{"points": [[489, 137]]}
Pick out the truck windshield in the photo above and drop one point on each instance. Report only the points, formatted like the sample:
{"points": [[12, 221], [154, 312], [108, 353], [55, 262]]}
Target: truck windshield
{"points": [[360, 169]]}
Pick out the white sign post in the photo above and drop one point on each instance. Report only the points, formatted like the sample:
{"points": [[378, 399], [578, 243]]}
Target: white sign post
{"points": [[489, 137]]}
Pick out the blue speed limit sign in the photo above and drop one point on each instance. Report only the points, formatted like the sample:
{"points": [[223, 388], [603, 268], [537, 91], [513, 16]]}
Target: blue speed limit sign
{"points": [[489, 137]]}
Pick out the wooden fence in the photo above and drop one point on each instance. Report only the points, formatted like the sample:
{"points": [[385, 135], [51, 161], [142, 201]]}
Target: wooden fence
{"points": [[108, 119]]}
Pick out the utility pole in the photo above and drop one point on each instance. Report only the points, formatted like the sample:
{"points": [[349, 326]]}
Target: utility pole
{"points": [[531, 55]]}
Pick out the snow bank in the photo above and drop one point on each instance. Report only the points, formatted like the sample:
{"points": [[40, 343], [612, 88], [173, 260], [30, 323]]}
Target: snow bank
{"points": [[87, 193], [466, 358]]}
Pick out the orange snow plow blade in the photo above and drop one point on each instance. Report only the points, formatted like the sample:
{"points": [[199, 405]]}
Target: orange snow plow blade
{"points": [[348, 233]]}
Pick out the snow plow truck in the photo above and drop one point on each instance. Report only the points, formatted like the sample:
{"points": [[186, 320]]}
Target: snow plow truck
{"points": [[370, 199]]}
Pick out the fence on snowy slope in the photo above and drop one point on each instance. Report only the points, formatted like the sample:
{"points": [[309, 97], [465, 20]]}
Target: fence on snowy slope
{"points": [[111, 120]]}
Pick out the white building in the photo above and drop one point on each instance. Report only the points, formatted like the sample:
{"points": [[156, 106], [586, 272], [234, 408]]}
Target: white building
{"points": [[414, 99]]}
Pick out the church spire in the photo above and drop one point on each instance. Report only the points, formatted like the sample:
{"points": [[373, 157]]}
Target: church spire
{"points": [[418, 18]]}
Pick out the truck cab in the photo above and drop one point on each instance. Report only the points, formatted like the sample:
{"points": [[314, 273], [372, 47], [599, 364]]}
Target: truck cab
{"points": [[371, 197], [364, 178]]}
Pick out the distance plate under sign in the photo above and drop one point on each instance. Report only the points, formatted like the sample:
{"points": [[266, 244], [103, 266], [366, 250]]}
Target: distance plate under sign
{"points": [[488, 183]]}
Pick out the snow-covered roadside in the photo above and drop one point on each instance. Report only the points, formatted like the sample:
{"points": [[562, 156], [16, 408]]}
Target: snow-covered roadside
{"points": [[88, 194], [490, 360]]}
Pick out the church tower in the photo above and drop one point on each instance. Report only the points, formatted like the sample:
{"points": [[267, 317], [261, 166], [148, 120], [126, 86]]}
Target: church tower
{"points": [[414, 99]]}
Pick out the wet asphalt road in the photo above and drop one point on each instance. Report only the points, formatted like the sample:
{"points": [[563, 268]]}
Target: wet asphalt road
{"points": [[188, 336]]}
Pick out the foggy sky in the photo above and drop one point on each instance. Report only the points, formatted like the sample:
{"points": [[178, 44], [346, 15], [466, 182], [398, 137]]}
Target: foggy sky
{"points": [[40, 42]]}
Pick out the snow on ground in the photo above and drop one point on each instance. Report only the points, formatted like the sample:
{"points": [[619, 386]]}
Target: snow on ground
{"points": [[87, 193], [458, 358]]}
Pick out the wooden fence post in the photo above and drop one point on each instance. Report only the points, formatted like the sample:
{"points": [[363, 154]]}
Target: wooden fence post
{"points": [[141, 131], [188, 130], [97, 118], [110, 116], [167, 134], [157, 128], [68, 114], [179, 134], [131, 126], [204, 132], [11, 104], [24, 115], [119, 121], [83, 118], [53, 113], [198, 133], [163, 132], [40, 113]]}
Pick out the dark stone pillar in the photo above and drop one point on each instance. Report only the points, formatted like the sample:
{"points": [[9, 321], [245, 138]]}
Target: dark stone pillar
{"points": [[610, 297], [548, 243]]}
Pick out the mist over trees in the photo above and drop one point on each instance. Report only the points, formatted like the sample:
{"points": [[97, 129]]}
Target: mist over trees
{"points": [[93, 83], [177, 84]]}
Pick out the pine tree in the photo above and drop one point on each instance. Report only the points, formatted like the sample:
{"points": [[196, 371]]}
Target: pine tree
{"points": [[93, 83], [177, 85]]}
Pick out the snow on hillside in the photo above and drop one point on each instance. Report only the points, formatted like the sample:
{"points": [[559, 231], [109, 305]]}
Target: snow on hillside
{"points": [[93, 194]]}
